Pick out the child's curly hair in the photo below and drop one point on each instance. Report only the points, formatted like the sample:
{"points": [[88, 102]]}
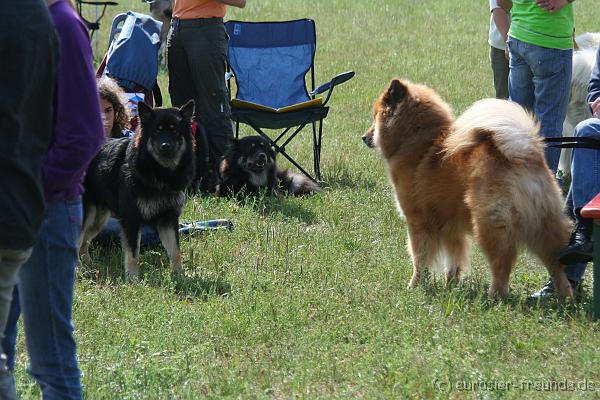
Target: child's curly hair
{"points": [[110, 91]]}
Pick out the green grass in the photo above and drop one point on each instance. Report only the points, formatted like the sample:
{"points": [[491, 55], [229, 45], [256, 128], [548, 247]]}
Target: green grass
{"points": [[307, 297]]}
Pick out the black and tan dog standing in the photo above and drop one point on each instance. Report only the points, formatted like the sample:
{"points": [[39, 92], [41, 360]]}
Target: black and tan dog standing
{"points": [[141, 181]]}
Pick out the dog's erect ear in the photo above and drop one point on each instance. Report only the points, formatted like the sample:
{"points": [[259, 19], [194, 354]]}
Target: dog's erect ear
{"points": [[396, 92], [144, 111], [187, 111]]}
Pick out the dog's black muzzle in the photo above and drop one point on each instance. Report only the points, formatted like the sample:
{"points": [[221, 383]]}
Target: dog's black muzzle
{"points": [[166, 145], [259, 162], [368, 140]]}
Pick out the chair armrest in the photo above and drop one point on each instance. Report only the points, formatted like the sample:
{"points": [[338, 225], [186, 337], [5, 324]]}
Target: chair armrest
{"points": [[337, 80], [592, 209]]}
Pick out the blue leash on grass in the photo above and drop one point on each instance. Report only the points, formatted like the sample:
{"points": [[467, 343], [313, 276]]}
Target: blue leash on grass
{"points": [[192, 228], [149, 237]]}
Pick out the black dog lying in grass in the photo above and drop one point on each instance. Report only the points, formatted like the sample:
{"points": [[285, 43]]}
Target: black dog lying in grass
{"points": [[250, 166]]}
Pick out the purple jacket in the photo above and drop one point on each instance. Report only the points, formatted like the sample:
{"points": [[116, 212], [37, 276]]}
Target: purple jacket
{"points": [[78, 132]]}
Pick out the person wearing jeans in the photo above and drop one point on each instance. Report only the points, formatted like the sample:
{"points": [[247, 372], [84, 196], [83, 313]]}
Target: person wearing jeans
{"points": [[585, 185], [46, 280], [540, 43], [44, 296], [29, 52]]}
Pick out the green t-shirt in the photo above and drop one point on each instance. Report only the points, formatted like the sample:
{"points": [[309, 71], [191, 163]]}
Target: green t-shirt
{"points": [[532, 24]]}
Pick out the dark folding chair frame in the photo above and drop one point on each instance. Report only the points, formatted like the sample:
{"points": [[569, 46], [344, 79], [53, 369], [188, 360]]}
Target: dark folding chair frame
{"points": [[314, 116], [93, 26], [292, 122]]}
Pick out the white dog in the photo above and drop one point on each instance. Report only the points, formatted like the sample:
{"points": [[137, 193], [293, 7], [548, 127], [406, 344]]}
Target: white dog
{"points": [[584, 59], [162, 11]]}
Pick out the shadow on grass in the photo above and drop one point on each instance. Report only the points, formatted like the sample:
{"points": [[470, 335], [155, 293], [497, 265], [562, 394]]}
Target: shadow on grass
{"points": [[282, 206], [474, 292], [189, 288], [340, 177], [107, 269]]}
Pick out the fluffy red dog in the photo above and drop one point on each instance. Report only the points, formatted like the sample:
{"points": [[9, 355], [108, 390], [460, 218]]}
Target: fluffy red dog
{"points": [[483, 174]]}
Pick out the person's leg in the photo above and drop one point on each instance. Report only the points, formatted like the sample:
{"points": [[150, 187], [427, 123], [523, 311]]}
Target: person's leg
{"points": [[9, 342], [585, 169], [206, 46], [29, 50], [585, 184], [10, 262], [552, 71], [46, 284], [520, 76], [585, 174], [575, 271], [181, 88], [500, 68]]}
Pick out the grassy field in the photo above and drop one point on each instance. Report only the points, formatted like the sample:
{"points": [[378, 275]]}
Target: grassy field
{"points": [[307, 297]]}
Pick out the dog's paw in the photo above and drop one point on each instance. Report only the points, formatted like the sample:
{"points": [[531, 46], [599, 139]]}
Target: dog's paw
{"points": [[412, 284], [85, 258], [132, 276], [498, 291], [177, 269], [414, 280]]}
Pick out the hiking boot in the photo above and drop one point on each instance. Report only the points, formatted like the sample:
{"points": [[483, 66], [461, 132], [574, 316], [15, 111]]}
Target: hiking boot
{"points": [[548, 290], [579, 250], [580, 246]]}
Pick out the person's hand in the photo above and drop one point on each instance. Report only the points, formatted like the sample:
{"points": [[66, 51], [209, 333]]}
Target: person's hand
{"points": [[552, 5], [595, 105]]}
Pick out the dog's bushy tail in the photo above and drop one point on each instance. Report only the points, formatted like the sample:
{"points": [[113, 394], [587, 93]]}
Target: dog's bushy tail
{"points": [[297, 184], [513, 130]]}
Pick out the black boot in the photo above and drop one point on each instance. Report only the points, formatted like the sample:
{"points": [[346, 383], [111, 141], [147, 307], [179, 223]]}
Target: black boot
{"points": [[549, 290], [580, 248]]}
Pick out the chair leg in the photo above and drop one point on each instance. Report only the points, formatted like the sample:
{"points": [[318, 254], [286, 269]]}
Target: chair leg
{"points": [[315, 151], [596, 272], [318, 172]]}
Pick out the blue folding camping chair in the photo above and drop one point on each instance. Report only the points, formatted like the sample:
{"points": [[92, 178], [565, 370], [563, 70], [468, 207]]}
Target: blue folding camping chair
{"points": [[269, 61]]}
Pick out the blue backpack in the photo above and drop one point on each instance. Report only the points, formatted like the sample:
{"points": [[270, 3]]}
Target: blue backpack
{"points": [[132, 56]]}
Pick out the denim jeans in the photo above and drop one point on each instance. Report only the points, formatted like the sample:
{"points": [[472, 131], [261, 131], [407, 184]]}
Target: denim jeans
{"points": [[539, 80], [45, 297], [585, 169], [585, 181]]}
